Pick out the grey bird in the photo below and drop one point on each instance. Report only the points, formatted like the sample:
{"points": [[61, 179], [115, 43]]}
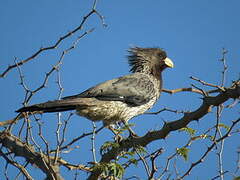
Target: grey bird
{"points": [[120, 99]]}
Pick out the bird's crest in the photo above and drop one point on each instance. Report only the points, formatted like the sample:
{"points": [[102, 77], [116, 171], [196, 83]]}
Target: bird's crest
{"points": [[143, 59]]}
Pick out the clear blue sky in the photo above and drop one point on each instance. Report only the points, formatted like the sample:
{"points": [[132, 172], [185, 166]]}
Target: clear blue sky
{"points": [[192, 32]]}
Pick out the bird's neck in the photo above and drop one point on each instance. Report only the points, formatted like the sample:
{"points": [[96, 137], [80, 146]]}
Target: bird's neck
{"points": [[158, 82]]}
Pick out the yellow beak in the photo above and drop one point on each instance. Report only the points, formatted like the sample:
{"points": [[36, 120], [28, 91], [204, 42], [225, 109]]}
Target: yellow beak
{"points": [[169, 62]]}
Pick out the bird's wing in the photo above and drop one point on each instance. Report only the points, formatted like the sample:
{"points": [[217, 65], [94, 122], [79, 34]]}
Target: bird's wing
{"points": [[135, 89]]}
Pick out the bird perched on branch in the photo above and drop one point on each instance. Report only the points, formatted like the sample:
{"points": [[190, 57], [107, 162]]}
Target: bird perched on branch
{"points": [[120, 99]]}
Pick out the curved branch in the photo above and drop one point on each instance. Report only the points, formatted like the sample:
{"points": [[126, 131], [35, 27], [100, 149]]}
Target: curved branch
{"points": [[56, 44], [205, 108]]}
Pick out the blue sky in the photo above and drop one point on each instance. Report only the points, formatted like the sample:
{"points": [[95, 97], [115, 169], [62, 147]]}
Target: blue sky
{"points": [[192, 32]]}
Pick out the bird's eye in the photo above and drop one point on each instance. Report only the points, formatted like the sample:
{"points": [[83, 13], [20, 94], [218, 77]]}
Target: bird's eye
{"points": [[162, 55]]}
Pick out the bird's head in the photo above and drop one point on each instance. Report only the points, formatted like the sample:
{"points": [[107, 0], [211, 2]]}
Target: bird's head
{"points": [[148, 60]]}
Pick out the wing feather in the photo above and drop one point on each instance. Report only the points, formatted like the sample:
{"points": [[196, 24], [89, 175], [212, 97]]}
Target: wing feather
{"points": [[135, 89]]}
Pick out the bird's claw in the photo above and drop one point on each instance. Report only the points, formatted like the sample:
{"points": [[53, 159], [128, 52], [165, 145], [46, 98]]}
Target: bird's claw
{"points": [[132, 134], [118, 138]]}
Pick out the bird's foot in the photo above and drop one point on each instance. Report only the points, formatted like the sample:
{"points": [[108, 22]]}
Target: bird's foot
{"points": [[132, 134], [118, 138]]}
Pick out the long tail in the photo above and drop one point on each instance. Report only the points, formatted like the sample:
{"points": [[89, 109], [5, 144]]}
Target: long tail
{"points": [[53, 106]]}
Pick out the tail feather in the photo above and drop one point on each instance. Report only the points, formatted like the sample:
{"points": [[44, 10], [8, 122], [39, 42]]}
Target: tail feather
{"points": [[53, 106]]}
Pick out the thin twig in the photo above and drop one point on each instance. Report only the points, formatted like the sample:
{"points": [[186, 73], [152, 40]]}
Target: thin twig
{"points": [[204, 93], [207, 84], [40, 134], [56, 44], [17, 176], [80, 137], [165, 109], [173, 91], [216, 177], [190, 89], [220, 152], [210, 148], [93, 142], [224, 71], [175, 168], [166, 169], [234, 103], [128, 163], [59, 124], [145, 164], [153, 163], [65, 128], [218, 115], [238, 161]]}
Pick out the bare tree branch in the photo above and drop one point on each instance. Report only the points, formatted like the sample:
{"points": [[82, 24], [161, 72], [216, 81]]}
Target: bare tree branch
{"points": [[57, 43], [153, 164], [18, 148], [181, 90], [207, 84], [17, 165], [210, 148]]}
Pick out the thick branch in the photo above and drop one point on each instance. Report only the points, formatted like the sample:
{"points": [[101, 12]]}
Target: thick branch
{"points": [[18, 148], [17, 165], [207, 104]]}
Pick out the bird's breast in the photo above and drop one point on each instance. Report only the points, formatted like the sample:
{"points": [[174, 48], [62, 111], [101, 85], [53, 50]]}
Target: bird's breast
{"points": [[111, 112]]}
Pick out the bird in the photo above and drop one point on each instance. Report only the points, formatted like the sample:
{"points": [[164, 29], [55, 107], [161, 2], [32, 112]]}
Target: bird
{"points": [[119, 99]]}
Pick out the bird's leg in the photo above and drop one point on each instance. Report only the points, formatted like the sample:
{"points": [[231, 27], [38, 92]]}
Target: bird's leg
{"points": [[111, 127], [117, 137], [131, 132]]}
